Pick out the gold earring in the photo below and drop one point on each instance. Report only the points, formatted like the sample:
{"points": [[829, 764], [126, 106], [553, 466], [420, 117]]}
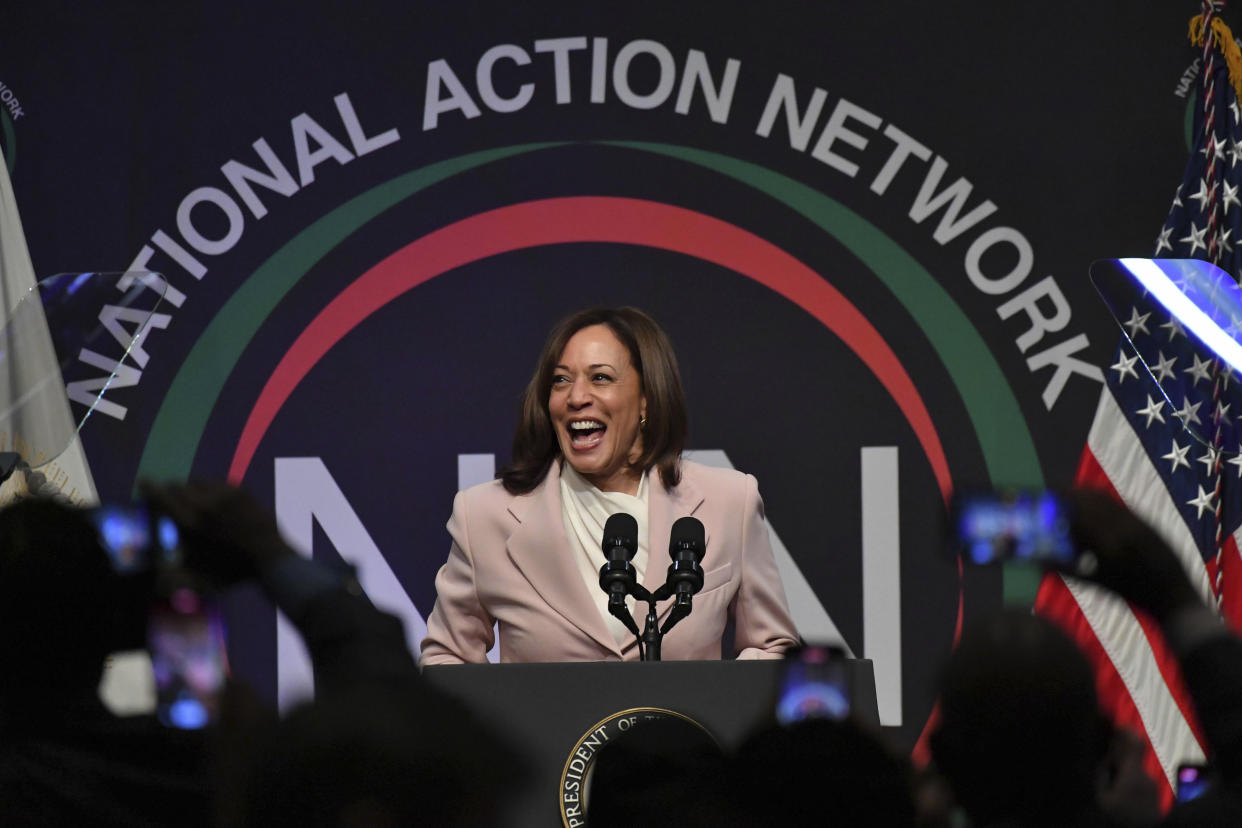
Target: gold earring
{"points": [[642, 422]]}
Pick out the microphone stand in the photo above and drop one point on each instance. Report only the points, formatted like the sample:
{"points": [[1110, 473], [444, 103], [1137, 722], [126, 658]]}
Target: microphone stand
{"points": [[649, 641], [653, 633]]}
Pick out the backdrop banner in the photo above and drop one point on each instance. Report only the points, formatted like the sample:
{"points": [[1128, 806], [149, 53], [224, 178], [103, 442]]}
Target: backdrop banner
{"points": [[866, 230]]}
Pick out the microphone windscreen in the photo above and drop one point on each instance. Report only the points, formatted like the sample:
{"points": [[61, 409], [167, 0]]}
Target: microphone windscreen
{"points": [[621, 530], [688, 533]]}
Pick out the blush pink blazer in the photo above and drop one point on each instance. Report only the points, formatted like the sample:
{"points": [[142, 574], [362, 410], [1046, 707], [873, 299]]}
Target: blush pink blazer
{"points": [[510, 564]]}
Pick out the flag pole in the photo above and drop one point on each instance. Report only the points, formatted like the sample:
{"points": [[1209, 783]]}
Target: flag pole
{"points": [[1211, 31]]}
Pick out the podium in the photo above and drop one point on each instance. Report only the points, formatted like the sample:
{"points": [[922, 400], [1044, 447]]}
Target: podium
{"points": [[560, 715]]}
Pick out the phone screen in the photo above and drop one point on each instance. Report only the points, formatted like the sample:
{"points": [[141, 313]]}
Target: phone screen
{"points": [[1192, 781], [125, 532], [813, 686], [185, 637], [1018, 525], [135, 539]]}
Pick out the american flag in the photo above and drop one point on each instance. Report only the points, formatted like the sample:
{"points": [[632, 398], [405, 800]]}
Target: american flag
{"points": [[1140, 449]]}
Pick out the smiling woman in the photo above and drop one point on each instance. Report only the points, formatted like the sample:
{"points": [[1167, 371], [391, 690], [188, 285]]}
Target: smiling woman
{"points": [[602, 367], [598, 410], [603, 409]]}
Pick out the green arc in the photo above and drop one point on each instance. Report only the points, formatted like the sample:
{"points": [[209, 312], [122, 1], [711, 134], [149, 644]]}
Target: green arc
{"points": [[1005, 440], [182, 416]]}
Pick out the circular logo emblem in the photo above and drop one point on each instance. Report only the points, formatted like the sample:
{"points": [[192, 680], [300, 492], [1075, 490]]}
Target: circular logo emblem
{"points": [[576, 775]]}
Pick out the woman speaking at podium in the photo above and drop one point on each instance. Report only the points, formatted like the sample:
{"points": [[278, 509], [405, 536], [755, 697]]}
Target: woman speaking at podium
{"points": [[602, 428]]}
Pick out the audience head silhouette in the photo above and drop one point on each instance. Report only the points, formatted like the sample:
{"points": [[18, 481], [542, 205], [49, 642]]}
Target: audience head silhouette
{"points": [[57, 603], [1021, 737]]}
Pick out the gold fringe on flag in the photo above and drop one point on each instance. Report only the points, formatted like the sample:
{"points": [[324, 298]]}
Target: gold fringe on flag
{"points": [[1224, 41]]}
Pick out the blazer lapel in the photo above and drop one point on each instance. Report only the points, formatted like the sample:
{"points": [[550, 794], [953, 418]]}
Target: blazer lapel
{"points": [[540, 550], [665, 508]]}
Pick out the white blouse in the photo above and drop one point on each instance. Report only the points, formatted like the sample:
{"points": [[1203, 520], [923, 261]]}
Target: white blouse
{"points": [[585, 510]]}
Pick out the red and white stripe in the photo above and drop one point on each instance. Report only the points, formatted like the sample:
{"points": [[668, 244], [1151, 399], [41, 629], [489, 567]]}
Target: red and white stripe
{"points": [[1137, 677]]}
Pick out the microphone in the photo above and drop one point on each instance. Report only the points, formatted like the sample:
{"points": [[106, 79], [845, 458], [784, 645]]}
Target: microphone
{"points": [[617, 576], [686, 546]]}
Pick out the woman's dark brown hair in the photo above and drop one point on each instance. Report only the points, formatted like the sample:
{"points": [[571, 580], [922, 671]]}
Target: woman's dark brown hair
{"points": [[664, 435]]}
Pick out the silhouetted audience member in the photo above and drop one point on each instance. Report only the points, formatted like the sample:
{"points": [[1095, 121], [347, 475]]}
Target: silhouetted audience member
{"points": [[1021, 739], [1126, 556], [375, 739], [375, 757], [661, 772], [820, 772], [64, 759], [813, 773]]}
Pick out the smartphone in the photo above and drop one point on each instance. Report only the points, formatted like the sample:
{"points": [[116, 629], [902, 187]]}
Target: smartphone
{"points": [[813, 685], [186, 640], [135, 539], [1012, 525], [1192, 781], [184, 629]]}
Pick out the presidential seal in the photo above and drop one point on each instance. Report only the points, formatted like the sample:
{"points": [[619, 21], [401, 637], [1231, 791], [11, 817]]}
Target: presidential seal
{"points": [[576, 775]]}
